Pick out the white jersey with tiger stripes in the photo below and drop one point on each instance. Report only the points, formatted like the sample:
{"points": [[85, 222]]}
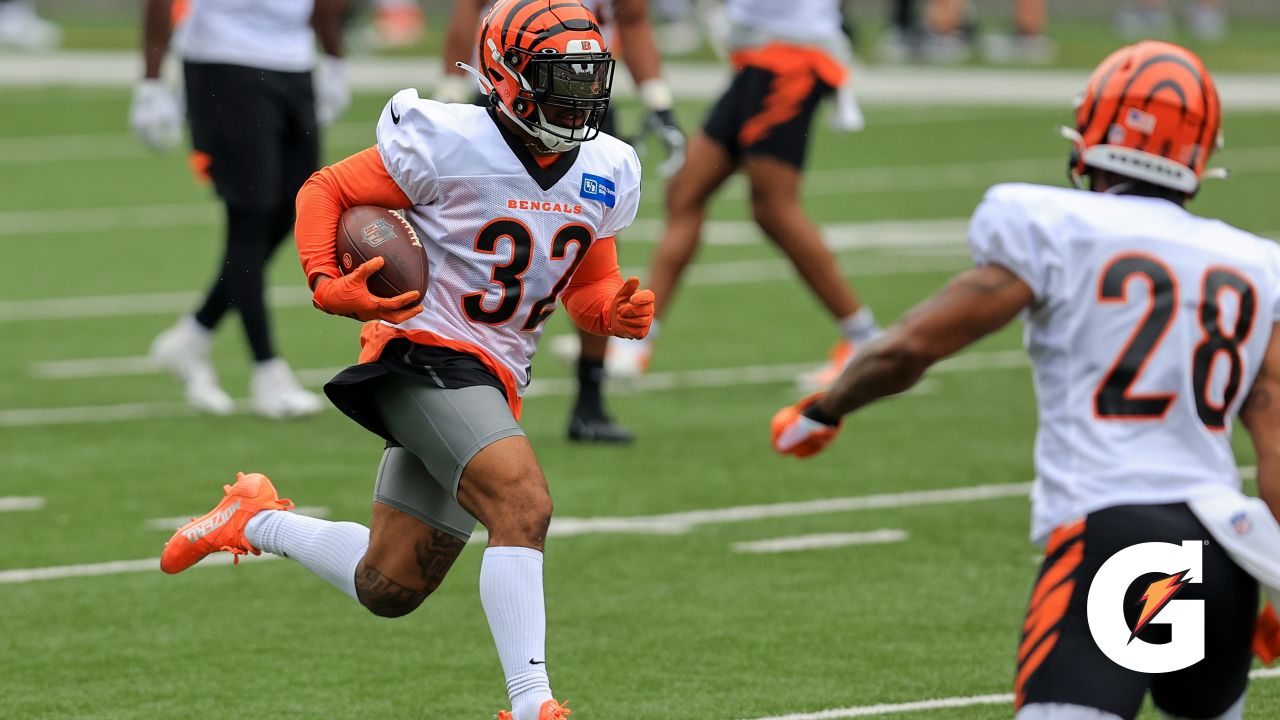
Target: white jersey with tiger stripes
{"points": [[502, 237], [1147, 330]]}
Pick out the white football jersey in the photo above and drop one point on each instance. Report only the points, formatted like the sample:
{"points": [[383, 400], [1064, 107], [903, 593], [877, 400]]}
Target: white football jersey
{"points": [[274, 35], [1148, 327], [502, 235], [801, 21]]}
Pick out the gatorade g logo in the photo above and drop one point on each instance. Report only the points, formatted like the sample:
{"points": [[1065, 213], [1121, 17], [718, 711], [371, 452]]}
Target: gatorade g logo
{"points": [[1179, 565]]}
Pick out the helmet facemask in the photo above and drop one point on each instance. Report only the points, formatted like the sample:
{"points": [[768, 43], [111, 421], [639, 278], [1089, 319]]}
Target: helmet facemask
{"points": [[576, 86]]}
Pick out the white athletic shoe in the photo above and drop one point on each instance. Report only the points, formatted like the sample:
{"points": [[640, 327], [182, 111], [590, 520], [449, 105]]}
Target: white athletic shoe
{"points": [[21, 28], [565, 348], [184, 351], [274, 392], [627, 358]]}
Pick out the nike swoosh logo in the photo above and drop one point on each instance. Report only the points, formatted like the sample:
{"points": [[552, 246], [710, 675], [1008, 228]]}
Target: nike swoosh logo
{"points": [[537, 662], [394, 117]]}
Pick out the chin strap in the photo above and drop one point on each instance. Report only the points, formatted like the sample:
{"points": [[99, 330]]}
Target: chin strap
{"points": [[1077, 144], [549, 141]]}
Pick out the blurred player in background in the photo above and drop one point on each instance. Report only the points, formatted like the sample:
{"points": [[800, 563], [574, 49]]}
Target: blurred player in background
{"points": [[1150, 329], [629, 20], [1205, 19], [255, 107], [21, 28], [787, 56], [395, 24], [517, 207]]}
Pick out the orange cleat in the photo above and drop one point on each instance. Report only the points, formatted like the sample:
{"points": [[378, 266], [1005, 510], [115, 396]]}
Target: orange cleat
{"points": [[222, 528], [551, 710], [1266, 636], [823, 377]]}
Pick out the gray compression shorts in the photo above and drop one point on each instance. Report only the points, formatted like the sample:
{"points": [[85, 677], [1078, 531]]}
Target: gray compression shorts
{"points": [[440, 431]]}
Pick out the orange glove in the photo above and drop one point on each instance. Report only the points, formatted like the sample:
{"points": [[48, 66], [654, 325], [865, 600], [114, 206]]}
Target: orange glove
{"points": [[1266, 636], [349, 296], [632, 312], [796, 433]]}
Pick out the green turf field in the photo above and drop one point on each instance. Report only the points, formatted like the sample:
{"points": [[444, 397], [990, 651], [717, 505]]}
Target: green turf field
{"points": [[106, 244]]}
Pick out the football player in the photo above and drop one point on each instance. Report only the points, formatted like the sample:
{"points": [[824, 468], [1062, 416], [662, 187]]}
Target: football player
{"points": [[517, 206], [589, 422], [1150, 330], [787, 56], [254, 106]]}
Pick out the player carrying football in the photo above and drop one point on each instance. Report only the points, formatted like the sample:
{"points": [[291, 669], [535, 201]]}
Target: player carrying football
{"points": [[1150, 329], [589, 422], [516, 210]]}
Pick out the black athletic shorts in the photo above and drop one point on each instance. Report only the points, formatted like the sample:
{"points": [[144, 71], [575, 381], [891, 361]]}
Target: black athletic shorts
{"points": [[253, 131], [766, 113], [1058, 659]]}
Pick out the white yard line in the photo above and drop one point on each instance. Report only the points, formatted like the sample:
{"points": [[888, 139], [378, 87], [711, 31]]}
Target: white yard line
{"points": [[821, 541], [651, 382], [938, 704], [681, 522], [896, 708], [115, 567], [173, 523], [704, 274], [825, 182], [566, 527], [11, 504], [94, 368]]}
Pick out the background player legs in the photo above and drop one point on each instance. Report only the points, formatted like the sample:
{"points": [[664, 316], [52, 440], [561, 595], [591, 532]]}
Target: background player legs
{"points": [[707, 165], [589, 422], [240, 282], [775, 205]]}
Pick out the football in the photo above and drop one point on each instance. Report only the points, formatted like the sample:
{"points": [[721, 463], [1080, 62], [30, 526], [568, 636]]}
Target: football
{"points": [[366, 232]]}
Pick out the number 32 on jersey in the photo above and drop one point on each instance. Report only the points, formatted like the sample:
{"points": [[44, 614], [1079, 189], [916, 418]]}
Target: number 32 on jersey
{"points": [[509, 275]]}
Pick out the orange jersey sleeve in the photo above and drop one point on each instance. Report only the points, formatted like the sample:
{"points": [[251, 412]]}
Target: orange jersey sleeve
{"points": [[589, 296], [361, 179]]}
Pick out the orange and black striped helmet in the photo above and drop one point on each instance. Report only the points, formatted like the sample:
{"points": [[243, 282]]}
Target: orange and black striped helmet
{"points": [[537, 54], [1149, 112]]}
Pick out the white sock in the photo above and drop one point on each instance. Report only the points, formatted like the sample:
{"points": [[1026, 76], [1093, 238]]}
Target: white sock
{"points": [[511, 593], [331, 550], [860, 327]]}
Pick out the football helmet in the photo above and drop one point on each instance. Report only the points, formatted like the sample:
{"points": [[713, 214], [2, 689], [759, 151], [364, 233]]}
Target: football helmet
{"points": [[1149, 112], [543, 61]]}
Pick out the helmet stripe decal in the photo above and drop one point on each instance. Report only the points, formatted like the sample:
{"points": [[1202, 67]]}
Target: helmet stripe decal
{"points": [[1097, 94], [556, 29], [515, 10], [1137, 73]]}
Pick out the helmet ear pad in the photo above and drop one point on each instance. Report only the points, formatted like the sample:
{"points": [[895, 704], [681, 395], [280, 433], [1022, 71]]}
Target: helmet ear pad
{"points": [[523, 107]]}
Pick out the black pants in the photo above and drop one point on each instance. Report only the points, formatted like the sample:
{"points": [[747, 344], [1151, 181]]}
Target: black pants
{"points": [[256, 133], [1058, 659]]}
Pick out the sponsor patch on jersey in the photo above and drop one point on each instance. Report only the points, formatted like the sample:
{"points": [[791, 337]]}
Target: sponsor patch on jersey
{"points": [[595, 187]]}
